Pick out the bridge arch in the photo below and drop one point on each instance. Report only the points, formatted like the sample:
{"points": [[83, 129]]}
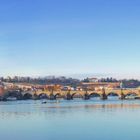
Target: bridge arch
{"points": [[43, 96], [57, 95], [27, 96], [113, 94], [94, 94], [131, 94], [15, 94], [77, 95]]}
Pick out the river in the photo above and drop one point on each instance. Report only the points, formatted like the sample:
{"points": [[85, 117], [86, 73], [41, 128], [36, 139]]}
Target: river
{"points": [[93, 119]]}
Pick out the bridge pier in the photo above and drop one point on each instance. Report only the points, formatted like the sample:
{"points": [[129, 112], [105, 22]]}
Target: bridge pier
{"points": [[86, 96], [52, 97], [68, 96], [35, 97], [122, 96], [103, 95]]}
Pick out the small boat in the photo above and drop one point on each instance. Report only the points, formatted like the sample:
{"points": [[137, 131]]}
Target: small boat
{"points": [[44, 102]]}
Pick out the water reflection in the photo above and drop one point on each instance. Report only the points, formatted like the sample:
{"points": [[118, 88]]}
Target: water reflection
{"points": [[35, 108]]}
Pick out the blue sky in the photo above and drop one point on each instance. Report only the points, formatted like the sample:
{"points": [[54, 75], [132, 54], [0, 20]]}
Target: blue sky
{"points": [[68, 37]]}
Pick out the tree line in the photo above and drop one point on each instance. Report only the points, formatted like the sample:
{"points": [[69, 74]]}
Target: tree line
{"points": [[127, 83]]}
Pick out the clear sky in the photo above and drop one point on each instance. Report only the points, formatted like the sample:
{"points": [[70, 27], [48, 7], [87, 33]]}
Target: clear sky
{"points": [[66, 37]]}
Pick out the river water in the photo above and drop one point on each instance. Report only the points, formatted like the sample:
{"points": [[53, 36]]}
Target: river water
{"points": [[70, 120]]}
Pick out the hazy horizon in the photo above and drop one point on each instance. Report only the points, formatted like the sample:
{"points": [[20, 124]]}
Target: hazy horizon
{"points": [[80, 76]]}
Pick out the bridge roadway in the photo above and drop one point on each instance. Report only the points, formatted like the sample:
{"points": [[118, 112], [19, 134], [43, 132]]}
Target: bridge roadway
{"points": [[122, 93]]}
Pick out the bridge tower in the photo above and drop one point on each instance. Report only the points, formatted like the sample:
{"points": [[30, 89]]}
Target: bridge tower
{"points": [[122, 85]]}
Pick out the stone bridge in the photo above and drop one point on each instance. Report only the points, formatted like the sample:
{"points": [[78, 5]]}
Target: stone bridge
{"points": [[103, 94]]}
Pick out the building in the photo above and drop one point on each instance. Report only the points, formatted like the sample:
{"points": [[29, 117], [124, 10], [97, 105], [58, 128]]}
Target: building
{"points": [[99, 85], [1, 90], [93, 79]]}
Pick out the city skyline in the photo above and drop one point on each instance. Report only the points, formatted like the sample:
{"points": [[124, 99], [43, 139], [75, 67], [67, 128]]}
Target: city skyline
{"points": [[82, 37]]}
